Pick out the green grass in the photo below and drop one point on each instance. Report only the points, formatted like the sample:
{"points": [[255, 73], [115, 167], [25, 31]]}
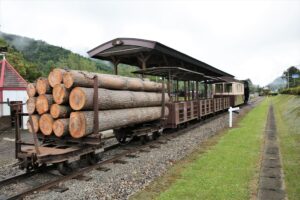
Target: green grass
{"points": [[225, 168], [226, 171], [287, 115]]}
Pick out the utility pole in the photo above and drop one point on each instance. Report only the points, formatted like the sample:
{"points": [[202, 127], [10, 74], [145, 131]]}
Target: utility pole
{"points": [[288, 79]]}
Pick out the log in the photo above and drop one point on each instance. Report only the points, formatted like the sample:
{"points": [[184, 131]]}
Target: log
{"points": [[35, 121], [60, 111], [46, 123], [60, 94], [43, 86], [31, 89], [30, 103], [82, 99], [82, 122], [61, 127], [108, 81], [56, 76], [43, 103]]}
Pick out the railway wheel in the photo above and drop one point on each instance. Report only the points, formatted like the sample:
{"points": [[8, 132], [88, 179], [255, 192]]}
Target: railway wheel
{"points": [[92, 158], [145, 139], [123, 135], [156, 135], [64, 168]]}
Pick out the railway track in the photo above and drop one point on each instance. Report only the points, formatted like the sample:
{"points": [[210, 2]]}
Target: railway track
{"points": [[129, 151]]}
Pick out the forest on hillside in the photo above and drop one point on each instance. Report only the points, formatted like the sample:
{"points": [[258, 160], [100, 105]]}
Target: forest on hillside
{"points": [[34, 58]]}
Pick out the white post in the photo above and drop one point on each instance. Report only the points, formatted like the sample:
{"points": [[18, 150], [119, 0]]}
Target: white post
{"points": [[230, 110]]}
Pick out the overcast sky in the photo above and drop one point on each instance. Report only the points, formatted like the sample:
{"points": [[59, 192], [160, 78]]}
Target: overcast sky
{"points": [[249, 39]]}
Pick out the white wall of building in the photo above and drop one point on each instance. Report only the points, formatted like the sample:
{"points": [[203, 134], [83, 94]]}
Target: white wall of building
{"points": [[15, 95]]}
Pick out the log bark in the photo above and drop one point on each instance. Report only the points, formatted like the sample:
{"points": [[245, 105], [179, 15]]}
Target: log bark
{"points": [[35, 121], [61, 127], [60, 111], [31, 89], [43, 103], [60, 94], [56, 76], [43, 86], [31, 105], [82, 122], [82, 99], [108, 81], [46, 123]]}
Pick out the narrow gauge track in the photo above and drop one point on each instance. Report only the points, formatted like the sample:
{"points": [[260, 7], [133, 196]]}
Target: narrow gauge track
{"points": [[20, 177], [129, 150]]}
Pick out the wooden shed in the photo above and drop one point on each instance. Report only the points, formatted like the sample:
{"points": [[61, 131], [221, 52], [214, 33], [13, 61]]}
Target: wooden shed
{"points": [[12, 90]]}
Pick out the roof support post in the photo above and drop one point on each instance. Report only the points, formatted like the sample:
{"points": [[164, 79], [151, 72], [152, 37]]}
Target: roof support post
{"points": [[197, 90], [177, 91], [163, 101], [193, 90], [169, 86], [184, 82], [189, 96], [115, 63], [205, 89], [143, 59]]}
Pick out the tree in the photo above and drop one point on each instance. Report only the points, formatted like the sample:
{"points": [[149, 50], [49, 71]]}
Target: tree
{"points": [[288, 75]]}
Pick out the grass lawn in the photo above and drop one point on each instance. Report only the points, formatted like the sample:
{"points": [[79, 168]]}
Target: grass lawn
{"points": [[287, 115], [227, 169]]}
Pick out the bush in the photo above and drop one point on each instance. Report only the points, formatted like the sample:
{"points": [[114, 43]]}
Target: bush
{"points": [[294, 91]]}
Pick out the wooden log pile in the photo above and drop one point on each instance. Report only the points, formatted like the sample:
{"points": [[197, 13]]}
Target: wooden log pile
{"points": [[63, 103]]}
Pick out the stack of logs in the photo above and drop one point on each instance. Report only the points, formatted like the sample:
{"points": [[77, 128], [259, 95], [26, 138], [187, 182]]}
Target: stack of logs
{"points": [[63, 103]]}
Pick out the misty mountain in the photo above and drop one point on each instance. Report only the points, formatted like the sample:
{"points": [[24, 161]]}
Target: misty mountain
{"points": [[46, 56], [277, 84]]}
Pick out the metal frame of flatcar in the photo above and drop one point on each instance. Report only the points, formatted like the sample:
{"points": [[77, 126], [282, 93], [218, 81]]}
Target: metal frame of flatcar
{"points": [[31, 155]]}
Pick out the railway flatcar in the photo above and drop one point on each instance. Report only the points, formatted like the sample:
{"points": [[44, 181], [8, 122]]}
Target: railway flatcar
{"points": [[191, 91]]}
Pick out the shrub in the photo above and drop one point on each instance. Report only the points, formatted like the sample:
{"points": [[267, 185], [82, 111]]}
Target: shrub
{"points": [[294, 91]]}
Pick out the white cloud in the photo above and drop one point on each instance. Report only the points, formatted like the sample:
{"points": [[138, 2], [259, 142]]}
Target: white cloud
{"points": [[255, 39]]}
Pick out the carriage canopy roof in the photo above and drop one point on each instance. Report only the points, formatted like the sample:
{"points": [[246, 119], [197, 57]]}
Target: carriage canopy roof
{"points": [[149, 54]]}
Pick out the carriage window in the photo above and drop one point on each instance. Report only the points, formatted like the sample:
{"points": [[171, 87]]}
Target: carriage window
{"points": [[228, 88], [219, 88]]}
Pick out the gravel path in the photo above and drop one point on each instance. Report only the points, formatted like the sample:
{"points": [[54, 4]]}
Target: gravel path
{"points": [[123, 180]]}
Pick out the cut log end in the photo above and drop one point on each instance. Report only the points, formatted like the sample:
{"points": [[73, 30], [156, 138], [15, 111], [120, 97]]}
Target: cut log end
{"points": [[42, 86], [77, 98], [31, 105], [77, 125], [61, 127], [60, 94], [35, 122], [68, 80], [56, 76], [45, 124], [54, 111], [43, 103], [59, 111], [31, 90]]}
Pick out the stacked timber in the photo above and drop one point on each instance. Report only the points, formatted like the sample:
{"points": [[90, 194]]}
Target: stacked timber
{"points": [[63, 103]]}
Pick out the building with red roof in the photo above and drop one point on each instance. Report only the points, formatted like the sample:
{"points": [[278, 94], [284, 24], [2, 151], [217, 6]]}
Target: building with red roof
{"points": [[12, 89]]}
